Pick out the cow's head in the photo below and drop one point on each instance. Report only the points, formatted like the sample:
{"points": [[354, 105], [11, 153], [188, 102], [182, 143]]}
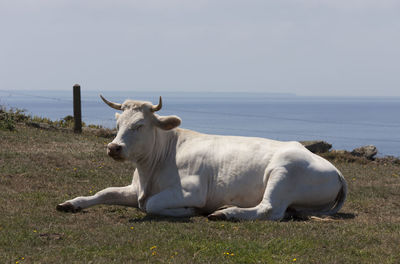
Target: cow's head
{"points": [[137, 127]]}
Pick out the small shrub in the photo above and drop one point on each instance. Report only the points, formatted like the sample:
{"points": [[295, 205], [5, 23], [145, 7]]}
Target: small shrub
{"points": [[95, 126], [19, 115], [7, 121], [66, 122], [38, 119], [9, 118]]}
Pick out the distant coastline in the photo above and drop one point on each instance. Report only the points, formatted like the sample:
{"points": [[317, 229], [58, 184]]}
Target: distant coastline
{"points": [[224, 94]]}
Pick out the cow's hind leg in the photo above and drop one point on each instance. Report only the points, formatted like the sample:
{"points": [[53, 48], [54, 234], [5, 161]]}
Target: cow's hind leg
{"points": [[275, 201], [113, 196]]}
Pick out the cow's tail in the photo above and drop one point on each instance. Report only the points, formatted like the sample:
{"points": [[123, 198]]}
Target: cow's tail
{"points": [[340, 198]]}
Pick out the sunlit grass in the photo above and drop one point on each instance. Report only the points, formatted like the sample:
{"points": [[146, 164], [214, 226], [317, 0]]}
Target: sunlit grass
{"points": [[40, 168]]}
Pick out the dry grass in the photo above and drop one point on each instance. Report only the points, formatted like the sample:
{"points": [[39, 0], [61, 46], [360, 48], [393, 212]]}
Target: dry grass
{"points": [[40, 168]]}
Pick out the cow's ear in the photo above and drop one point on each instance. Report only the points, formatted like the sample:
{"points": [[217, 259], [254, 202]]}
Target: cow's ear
{"points": [[117, 115], [167, 122]]}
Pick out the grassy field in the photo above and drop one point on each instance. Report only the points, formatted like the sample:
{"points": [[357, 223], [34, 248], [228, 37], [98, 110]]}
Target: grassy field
{"points": [[41, 168]]}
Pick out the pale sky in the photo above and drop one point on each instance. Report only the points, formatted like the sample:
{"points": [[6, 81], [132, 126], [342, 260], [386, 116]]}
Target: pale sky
{"points": [[306, 47]]}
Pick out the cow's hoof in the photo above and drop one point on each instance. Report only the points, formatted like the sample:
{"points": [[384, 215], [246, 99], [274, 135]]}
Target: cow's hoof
{"points": [[217, 217], [67, 207]]}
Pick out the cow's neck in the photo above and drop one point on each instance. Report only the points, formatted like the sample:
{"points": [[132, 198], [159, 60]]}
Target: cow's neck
{"points": [[162, 148], [150, 164]]}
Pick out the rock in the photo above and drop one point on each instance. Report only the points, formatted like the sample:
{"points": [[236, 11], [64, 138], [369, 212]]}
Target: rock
{"points": [[33, 124], [45, 126], [317, 146], [365, 151], [40, 125]]}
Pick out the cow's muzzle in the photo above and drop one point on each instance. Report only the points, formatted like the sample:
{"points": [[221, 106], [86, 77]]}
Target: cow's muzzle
{"points": [[115, 151]]}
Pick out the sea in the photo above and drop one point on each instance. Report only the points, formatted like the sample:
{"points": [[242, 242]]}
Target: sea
{"points": [[344, 122]]}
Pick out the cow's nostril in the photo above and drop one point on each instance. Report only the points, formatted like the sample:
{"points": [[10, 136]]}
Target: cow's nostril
{"points": [[114, 149]]}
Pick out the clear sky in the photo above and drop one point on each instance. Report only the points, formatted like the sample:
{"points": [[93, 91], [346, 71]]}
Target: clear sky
{"points": [[306, 47]]}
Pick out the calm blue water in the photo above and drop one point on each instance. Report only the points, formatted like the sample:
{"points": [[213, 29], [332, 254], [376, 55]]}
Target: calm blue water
{"points": [[344, 122]]}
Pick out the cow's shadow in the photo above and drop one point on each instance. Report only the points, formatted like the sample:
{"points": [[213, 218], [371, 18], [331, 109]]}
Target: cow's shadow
{"points": [[157, 218], [344, 216], [335, 217], [294, 218]]}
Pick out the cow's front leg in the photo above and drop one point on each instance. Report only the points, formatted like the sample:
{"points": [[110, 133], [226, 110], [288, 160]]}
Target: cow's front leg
{"points": [[182, 201], [172, 202], [113, 196]]}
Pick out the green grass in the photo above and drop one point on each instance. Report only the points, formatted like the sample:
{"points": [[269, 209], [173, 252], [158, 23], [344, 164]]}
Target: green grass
{"points": [[41, 168]]}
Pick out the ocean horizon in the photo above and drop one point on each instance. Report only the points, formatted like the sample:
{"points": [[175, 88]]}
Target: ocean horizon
{"points": [[345, 122]]}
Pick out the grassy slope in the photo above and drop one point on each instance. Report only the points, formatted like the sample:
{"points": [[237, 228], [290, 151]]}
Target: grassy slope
{"points": [[39, 169]]}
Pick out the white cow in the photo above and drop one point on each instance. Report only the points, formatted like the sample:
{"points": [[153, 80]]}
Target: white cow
{"points": [[183, 173]]}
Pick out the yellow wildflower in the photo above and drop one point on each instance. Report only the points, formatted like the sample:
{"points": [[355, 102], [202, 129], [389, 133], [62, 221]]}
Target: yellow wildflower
{"points": [[154, 253], [131, 227], [153, 247], [294, 259]]}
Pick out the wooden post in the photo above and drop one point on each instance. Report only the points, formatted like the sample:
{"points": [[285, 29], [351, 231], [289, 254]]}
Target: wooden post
{"points": [[77, 109]]}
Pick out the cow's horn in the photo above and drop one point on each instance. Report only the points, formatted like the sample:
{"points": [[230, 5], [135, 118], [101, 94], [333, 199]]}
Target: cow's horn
{"points": [[111, 104], [156, 108]]}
